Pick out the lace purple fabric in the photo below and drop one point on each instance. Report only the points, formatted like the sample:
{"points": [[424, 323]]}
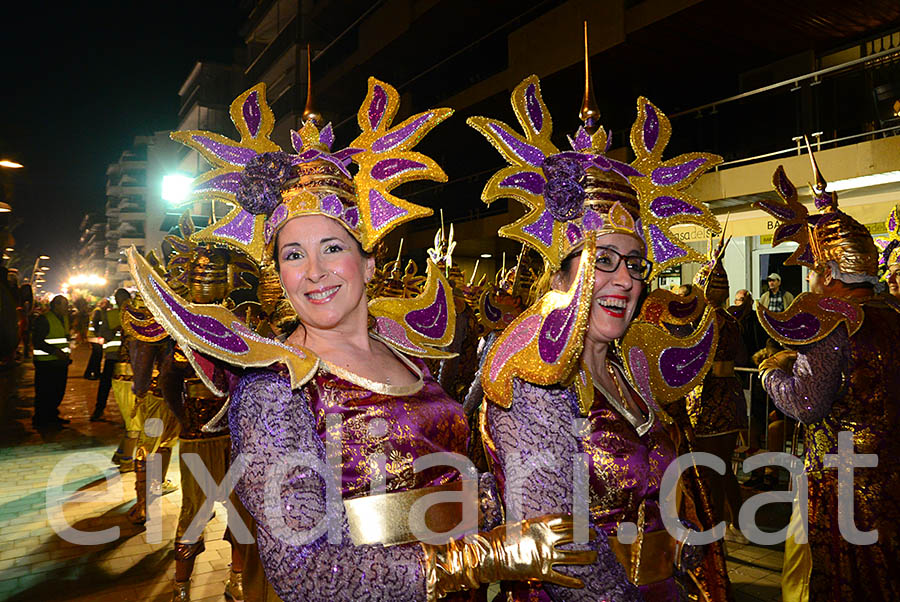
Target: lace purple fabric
{"points": [[536, 435], [808, 393], [269, 423]]}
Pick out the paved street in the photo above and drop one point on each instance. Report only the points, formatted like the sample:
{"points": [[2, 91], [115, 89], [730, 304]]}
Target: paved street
{"points": [[36, 564]]}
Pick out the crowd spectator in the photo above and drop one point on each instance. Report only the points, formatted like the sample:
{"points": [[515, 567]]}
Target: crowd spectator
{"points": [[775, 299], [51, 363]]}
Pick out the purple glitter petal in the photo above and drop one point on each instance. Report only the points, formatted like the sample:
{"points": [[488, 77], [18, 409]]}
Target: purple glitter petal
{"points": [[801, 327], [682, 310], [530, 154], [233, 154], [491, 313], [573, 233], [239, 229], [892, 221], [535, 115], [332, 205], [211, 331], [651, 127], [846, 309], [377, 107], [394, 332], [226, 182], [557, 328], [252, 113], [326, 136], [310, 154], [351, 217], [297, 141], [663, 248], [668, 206], [542, 229], [784, 186], [398, 137], [640, 370], [528, 181], [431, 321], [624, 169], [345, 154], [382, 211], [514, 342], [582, 140], [591, 220], [678, 366], [784, 231], [389, 168], [782, 212], [675, 174]]}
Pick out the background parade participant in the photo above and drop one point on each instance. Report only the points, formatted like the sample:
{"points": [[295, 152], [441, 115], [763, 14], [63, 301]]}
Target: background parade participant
{"points": [[51, 363], [844, 380], [108, 328], [555, 363], [717, 409], [890, 252], [308, 210]]}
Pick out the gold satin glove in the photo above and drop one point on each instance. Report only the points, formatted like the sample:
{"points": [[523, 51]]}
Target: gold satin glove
{"points": [[523, 551]]}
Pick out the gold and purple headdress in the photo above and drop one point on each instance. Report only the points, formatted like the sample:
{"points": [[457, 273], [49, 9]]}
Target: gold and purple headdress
{"points": [[268, 187], [830, 237], [569, 193], [712, 277]]}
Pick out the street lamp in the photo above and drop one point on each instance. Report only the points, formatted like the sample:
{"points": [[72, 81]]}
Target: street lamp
{"points": [[43, 257], [176, 188], [10, 164]]}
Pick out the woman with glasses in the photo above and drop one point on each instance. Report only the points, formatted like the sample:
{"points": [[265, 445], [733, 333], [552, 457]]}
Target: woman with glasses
{"points": [[562, 407]]}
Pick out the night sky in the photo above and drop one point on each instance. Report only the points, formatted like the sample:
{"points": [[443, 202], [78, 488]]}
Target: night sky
{"points": [[80, 80]]}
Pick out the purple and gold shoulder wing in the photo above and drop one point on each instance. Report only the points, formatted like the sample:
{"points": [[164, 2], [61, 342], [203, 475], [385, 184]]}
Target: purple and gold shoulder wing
{"points": [[419, 326], [664, 367], [214, 331], [543, 345], [139, 323], [810, 318]]}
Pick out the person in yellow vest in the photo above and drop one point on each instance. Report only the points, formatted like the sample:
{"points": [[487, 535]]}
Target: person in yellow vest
{"points": [[108, 328], [51, 363]]}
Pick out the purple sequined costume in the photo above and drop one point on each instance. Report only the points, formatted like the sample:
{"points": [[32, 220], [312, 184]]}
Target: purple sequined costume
{"points": [[850, 384], [626, 463], [271, 424]]}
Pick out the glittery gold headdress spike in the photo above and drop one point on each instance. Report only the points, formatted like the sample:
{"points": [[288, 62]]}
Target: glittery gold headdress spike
{"points": [[569, 193], [589, 113], [712, 274]]}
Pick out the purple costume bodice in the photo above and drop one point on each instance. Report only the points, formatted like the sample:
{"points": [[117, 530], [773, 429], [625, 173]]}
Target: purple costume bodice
{"points": [[537, 435], [277, 429]]}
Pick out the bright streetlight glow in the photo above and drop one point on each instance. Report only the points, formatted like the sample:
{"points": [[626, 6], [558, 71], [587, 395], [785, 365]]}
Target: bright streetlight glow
{"points": [[45, 268], [176, 188], [43, 257], [10, 164], [86, 280], [5, 208], [486, 255]]}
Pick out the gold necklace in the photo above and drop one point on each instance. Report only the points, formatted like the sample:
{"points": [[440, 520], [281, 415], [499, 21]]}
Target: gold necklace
{"points": [[612, 375]]}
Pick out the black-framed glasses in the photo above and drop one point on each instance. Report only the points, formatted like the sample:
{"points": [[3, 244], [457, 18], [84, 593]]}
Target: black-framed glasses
{"points": [[608, 260]]}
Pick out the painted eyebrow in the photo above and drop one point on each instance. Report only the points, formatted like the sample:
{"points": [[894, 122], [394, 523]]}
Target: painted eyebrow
{"points": [[632, 253]]}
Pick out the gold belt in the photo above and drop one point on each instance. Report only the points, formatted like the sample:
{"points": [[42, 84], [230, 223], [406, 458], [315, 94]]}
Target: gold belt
{"points": [[723, 369], [649, 560], [384, 518]]}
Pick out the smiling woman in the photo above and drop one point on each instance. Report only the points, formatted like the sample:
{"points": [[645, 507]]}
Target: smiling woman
{"points": [[603, 229], [336, 393]]}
